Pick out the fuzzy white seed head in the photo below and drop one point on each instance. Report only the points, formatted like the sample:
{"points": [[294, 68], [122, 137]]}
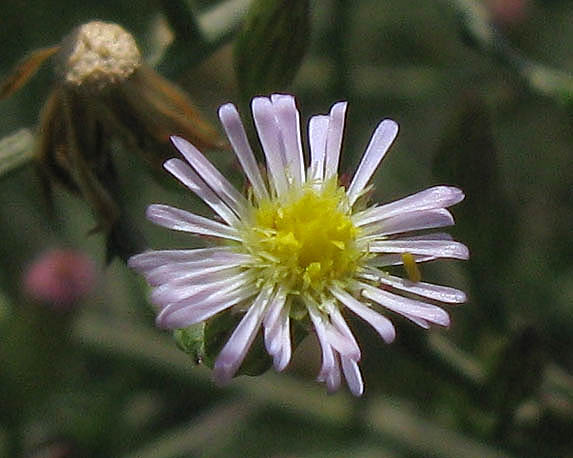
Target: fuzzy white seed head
{"points": [[97, 55]]}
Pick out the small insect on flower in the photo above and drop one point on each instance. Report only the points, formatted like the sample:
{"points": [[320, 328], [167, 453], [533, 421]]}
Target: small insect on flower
{"points": [[411, 268], [304, 250], [105, 92]]}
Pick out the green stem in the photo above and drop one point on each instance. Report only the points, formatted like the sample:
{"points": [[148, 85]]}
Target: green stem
{"points": [[382, 417], [16, 150], [159, 351], [541, 78], [459, 362], [212, 429], [216, 27], [182, 20]]}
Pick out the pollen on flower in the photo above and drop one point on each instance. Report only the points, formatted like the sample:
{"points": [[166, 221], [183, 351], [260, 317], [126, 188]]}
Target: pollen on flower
{"points": [[305, 240]]}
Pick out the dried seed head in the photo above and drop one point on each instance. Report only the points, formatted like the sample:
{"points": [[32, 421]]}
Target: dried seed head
{"points": [[97, 55]]}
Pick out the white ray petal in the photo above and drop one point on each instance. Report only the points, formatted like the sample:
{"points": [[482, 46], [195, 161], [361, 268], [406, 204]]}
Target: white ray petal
{"points": [[289, 121], [277, 340], [334, 139], [204, 294], [353, 376], [435, 248], [430, 236], [341, 343], [417, 320], [181, 220], [152, 259], [181, 289], [235, 131], [236, 348], [317, 133], [328, 360], [379, 144], [214, 179], [270, 137], [281, 360], [428, 199], [384, 260], [177, 270], [176, 318], [182, 272], [340, 324], [407, 222], [186, 175], [380, 323], [271, 319], [428, 290], [272, 338], [275, 307], [406, 307], [333, 377]]}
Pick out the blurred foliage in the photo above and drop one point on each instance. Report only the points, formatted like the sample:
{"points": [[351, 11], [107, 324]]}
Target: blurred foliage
{"points": [[483, 106], [270, 46]]}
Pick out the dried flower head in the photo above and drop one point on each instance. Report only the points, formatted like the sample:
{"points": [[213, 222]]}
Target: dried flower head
{"points": [[105, 92], [97, 55], [302, 247]]}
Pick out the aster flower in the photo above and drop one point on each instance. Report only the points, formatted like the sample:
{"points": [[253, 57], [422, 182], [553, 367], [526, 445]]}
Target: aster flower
{"points": [[300, 246]]}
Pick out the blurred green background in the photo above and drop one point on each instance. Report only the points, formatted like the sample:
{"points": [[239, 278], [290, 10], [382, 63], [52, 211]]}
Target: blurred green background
{"points": [[484, 96]]}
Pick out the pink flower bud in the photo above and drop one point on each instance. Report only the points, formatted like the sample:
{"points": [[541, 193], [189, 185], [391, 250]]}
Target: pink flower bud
{"points": [[60, 277], [507, 13]]}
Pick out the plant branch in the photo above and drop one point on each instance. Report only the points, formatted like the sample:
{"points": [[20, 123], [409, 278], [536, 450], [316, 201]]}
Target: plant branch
{"points": [[543, 79]]}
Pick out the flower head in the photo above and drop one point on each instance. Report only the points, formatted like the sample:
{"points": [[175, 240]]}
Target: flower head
{"points": [[104, 94], [97, 55], [300, 246]]}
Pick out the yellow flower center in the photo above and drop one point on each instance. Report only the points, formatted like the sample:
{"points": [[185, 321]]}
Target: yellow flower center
{"points": [[306, 239]]}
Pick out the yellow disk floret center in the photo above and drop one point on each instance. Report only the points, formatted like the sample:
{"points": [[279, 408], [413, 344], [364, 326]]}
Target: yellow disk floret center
{"points": [[306, 239]]}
